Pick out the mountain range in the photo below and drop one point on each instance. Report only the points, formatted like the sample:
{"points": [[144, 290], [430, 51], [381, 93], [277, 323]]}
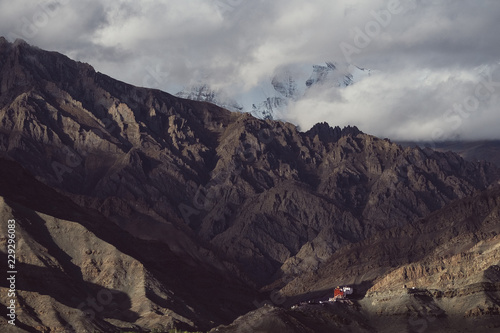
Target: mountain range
{"points": [[137, 210]]}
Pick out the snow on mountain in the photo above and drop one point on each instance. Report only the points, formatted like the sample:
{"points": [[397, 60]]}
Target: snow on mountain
{"points": [[271, 98], [335, 75]]}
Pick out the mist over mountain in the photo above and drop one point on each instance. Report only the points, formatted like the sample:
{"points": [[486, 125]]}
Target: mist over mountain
{"points": [[288, 85], [437, 63], [177, 213]]}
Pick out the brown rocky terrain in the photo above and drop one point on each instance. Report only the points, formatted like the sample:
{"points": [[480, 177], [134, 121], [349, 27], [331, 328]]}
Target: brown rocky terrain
{"points": [[186, 208], [440, 274], [80, 272]]}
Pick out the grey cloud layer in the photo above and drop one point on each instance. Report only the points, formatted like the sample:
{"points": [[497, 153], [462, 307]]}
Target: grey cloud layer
{"points": [[430, 55]]}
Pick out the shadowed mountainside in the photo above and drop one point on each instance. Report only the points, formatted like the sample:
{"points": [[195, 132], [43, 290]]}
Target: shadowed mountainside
{"points": [[439, 274], [487, 150], [224, 194], [69, 257]]}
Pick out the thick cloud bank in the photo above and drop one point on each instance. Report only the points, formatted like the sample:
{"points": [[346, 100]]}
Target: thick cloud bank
{"points": [[436, 63]]}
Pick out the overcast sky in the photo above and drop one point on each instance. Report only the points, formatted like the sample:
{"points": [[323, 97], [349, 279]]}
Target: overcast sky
{"points": [[436, 61]]}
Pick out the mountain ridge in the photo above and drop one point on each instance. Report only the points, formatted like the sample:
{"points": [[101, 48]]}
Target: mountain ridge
{"points": [[225, 194]]}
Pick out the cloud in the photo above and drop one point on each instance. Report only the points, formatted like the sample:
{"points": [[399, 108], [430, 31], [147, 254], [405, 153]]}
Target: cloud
{"points": [[429, 54], [408, 105]]}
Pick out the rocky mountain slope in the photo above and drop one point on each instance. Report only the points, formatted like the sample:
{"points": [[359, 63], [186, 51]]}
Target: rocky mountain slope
{"points": [[439, 274], [233, 202], [79, 272]]}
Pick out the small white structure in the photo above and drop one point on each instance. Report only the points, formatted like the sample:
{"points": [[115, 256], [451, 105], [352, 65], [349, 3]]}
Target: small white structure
{"points": [[347, 290]]}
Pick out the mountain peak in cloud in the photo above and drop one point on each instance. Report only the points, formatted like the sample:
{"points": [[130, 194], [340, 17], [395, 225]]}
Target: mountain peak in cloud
{"points": [[273, 95]]}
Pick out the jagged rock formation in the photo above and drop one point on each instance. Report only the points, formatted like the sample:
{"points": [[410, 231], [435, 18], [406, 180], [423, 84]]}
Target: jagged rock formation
{"points": [[331, 75], [325, 193], [223, 194]]}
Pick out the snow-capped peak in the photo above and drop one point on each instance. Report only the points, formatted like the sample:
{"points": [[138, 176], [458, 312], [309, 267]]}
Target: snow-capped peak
{"points": [[271, 97]]}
